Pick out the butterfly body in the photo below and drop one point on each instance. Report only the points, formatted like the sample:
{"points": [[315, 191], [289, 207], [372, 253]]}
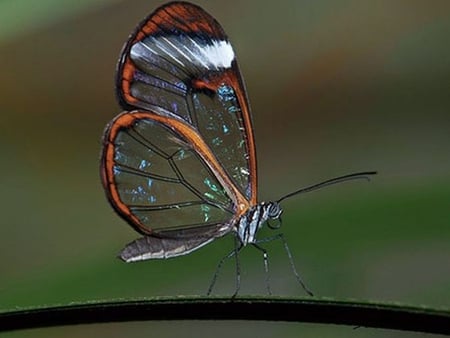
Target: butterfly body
{"points": [[245, 228], [249, 224]]}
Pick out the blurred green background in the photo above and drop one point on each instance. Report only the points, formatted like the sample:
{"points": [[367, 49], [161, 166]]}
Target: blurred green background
{"points": [[335, 87]]}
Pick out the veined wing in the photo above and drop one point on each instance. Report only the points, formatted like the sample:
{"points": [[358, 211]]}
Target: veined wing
{"points": [[161, 176], [179, 64]]}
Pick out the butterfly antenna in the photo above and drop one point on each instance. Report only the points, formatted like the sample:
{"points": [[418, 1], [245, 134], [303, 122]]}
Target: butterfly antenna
{"points": [[350, 177]]}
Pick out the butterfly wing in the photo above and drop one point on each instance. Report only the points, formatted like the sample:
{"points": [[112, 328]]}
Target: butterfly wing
{"points": [[159, 176], [179, 63], [182, 167]]}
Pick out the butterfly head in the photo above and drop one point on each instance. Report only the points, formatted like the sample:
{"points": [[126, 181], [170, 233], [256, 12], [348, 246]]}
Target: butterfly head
{"points": [[274, 212]]}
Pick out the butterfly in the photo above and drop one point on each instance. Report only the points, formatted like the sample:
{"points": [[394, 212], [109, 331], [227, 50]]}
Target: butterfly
{"points": [[179, 164]]}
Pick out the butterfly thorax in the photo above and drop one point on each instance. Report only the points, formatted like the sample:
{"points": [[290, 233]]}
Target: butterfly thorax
{"points": [[249, 223]]}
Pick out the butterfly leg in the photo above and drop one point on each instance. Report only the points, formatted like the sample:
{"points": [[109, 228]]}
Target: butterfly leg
{"points": [[234, 252], [266, 266], [291, 260], [237, 248]]}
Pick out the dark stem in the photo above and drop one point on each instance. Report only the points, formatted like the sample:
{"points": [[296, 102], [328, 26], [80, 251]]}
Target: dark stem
{"points": [[387, 316]]}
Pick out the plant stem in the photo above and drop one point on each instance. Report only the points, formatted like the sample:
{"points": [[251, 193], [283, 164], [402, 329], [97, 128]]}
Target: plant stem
{"points": [[378, 315]]}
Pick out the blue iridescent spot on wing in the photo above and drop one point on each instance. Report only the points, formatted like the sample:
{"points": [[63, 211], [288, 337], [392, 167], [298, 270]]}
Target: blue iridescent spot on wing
{"points": [[226, 93]]}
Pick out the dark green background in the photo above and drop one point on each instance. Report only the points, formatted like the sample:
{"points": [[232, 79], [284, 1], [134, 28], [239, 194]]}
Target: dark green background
{"points": [[335, 87]]}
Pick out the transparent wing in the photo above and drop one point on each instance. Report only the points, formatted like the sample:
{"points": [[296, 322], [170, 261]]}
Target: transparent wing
{"points": [[179, 64], [157, 180]]}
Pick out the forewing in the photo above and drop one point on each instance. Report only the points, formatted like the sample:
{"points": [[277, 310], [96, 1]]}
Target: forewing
{"points": [[179, 64], [157, 177]]}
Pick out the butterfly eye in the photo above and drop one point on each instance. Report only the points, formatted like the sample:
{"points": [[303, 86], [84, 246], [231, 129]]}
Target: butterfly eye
{"points": [[274, 210]]}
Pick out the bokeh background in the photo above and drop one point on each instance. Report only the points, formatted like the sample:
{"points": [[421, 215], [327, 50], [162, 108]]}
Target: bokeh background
{"points": [[335, 87]]}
